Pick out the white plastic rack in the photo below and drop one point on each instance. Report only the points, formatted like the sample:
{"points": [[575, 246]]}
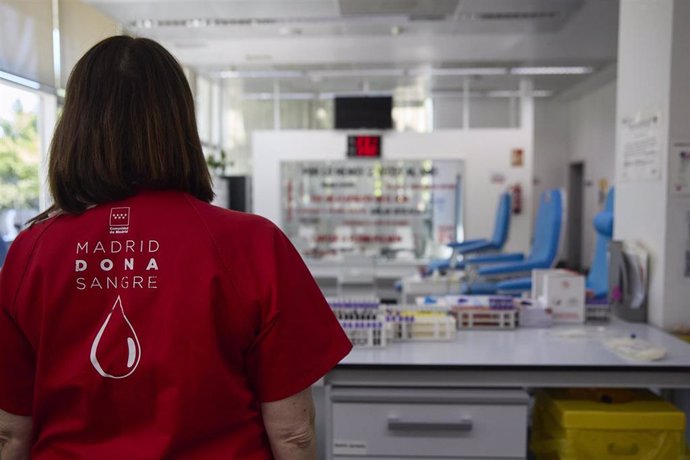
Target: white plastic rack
{"points": [[485, 318], [362, 320], [420, 323]]}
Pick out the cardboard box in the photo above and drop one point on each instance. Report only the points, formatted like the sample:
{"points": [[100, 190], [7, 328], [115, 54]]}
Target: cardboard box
{"points": [[563, 292]]}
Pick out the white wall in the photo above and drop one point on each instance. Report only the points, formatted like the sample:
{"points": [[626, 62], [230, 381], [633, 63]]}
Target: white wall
{"points": [[578, 126], [448, 113], [551, 148], [592, 140], [485, 152], [485, 112], [653, 69]]}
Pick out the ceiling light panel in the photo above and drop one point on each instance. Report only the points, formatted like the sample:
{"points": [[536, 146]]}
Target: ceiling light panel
{"points": [[354, 73], [511, 93], [467, 71], [574, 70], [261, 74]]}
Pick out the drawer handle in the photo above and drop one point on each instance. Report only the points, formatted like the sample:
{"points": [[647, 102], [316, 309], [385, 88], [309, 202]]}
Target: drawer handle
{"points": [[622, 449], [398, 424]]}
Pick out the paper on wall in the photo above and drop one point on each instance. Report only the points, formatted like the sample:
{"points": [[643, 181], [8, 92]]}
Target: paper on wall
{"points": [[640, 139]]}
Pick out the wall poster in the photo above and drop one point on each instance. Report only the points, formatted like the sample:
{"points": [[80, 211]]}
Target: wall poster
{"points": [[382, 208], [640, 139]]}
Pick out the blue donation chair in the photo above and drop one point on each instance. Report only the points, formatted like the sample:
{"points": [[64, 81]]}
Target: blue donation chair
{"points": [[3, 251], [463, 248], [597, 279], [547, 237]]}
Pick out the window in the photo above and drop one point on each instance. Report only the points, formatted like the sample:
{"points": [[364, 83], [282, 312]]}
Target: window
{"points": [[20, 158]]}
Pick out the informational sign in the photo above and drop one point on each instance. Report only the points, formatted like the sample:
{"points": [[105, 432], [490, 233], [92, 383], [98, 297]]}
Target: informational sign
{"points": [[517, 158], [392, 209], [640, 138], [364, 146], [342, 447]]}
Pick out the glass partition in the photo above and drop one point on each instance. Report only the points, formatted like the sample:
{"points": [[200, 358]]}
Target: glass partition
{"points": [[384, 209]]}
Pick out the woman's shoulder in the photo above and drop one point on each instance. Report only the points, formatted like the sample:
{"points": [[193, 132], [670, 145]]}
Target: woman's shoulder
{"points": [[218, 217], [35, 230]]}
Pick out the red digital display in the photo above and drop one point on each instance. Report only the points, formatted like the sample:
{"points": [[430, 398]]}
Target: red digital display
{"points": [[364, 146]]}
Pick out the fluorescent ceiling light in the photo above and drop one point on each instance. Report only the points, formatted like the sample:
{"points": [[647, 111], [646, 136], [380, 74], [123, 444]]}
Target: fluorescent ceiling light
{"points": [[198, 22], [467, 71], [551, 70], [399, 73], [511, 93], [356, 73], [20, 80], [436, 94], [541, 93], [281, 96], [356, 94], [144, 23], [261, 74]]}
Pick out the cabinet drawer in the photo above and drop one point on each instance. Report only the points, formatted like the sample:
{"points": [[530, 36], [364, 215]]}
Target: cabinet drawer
{"points": [[444, 423]]}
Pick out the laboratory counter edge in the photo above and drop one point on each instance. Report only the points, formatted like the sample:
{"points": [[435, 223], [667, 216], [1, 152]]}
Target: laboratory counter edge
{"points": [[561, 356]]}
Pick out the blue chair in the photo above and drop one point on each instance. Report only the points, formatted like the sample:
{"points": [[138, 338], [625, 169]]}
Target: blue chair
{"points": [[597, 279], [547, 237], [3, 251], [463, 248]]}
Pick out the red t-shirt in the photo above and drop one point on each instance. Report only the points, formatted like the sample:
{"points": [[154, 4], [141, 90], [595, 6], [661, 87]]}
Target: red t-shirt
{"points": [[154, 327]]}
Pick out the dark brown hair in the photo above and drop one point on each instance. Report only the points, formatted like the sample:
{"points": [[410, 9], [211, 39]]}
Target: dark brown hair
{"points": [[128, 124]]}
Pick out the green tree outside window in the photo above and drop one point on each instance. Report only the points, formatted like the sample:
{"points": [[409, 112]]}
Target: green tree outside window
{"points": [[19, 160]]}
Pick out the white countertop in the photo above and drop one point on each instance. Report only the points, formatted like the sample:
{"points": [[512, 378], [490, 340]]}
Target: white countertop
{"points": [[527, 347]]}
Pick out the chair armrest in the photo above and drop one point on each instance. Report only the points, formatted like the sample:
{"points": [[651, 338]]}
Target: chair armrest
{"points": [[480, 246], [515, 284], [495, 259], [506, 269], [460, 244]]}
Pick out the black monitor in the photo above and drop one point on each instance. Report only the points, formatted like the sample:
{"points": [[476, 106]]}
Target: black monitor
{"points": [[363, 112]]}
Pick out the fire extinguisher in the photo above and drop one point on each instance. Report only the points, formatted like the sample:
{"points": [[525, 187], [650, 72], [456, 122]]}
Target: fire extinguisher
{"points": [[516, 198]]}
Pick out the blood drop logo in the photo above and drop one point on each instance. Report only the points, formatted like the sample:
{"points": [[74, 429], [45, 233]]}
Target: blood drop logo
{"points": [[116, 352]]}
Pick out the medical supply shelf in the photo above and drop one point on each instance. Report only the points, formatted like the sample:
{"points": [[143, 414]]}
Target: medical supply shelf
{"points": [[501, 363], [346, 278]]}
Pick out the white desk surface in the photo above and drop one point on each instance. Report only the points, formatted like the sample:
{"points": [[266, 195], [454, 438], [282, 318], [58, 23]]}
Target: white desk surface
{"points": [[523, 347]]}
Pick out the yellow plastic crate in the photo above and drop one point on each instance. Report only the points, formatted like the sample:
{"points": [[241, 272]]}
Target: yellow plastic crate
{"points": [[581, 424]]}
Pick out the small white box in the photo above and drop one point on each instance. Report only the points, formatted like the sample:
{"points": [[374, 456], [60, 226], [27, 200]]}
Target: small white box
{"points": [[563, 292]]}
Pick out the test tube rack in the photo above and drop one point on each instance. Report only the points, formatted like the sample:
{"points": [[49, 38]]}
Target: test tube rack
{"points": [[362, 320], [485, 318], [366, 333], [430, 323], [597, 312]]}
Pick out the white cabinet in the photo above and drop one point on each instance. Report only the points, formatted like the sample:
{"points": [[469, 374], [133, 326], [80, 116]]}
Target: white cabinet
{"points": [[423, 423]]}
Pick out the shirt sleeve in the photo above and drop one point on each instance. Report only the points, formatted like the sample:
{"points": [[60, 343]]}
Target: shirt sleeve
{"points": [[300, 339], [17, 357], [16, 368]]}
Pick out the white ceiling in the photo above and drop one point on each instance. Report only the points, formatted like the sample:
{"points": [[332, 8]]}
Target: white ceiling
{"points": [[216, 35]]}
